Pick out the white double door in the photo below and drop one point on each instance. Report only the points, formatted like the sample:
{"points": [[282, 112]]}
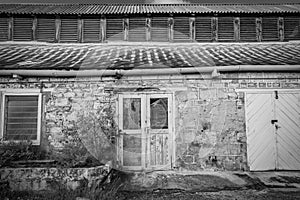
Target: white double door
{"points": [[273, 130], [145, 141]]}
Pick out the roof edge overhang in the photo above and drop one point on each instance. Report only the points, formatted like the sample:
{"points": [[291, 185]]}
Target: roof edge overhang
{"points": [[112, 8], [147, 72]]}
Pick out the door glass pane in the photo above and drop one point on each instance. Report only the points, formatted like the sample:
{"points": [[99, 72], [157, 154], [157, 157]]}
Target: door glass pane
{"points": [[132, 149], [131, 113], [159, 113]]}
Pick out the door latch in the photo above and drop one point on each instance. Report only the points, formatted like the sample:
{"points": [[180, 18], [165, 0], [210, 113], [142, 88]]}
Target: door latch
{"points": [[276, 94], [273, 121]]}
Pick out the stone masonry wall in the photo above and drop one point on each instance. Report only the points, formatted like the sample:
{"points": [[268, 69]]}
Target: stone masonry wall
{"points": [[40, 179], [209, 114], [211, 129]]}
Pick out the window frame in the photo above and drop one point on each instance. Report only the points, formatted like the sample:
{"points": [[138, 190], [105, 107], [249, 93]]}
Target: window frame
{"points": [[39, 116]]}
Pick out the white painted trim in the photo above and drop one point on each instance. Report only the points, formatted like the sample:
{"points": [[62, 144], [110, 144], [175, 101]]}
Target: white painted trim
{"points": [[257, 90], [24, 92], [173, 143]]}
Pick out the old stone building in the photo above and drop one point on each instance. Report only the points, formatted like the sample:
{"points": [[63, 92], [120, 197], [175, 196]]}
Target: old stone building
{"points": [[152, 87]]}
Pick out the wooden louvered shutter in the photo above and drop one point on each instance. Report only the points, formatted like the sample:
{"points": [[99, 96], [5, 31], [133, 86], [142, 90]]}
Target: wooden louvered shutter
{"points": [[46, 29], [292, 28], [203, 29], [114, 29], [248, 29], [270, 29], [225, 29], [91, 30], [21, 117], [3, 28], [69, 29], [137, 29], [159, 29], [181, 29], [22, 29]]}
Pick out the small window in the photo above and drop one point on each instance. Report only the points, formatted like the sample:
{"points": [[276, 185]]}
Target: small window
{"points": [[21, 117]]}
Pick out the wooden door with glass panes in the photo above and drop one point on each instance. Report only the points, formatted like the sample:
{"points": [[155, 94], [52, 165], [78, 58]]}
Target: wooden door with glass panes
{"points": [[145, 121]]}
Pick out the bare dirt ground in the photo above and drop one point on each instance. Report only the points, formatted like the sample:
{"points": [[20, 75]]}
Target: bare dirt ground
{"points": [[243, 194], [220, 195]]}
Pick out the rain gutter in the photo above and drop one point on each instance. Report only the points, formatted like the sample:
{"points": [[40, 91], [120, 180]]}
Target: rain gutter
{"points": [[145, 72]]}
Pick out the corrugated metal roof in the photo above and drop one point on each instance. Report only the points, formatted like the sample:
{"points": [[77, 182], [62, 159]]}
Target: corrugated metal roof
{"points": [[142, 56], [146, 8]]}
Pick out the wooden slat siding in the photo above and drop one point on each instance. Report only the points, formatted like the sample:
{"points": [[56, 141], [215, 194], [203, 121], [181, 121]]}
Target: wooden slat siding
{"points": [[22, 28], [203, 26], [137, 29], [114, 29], [292, 28], [91, 30], [236, 23], [3, 28], [21, 117], [159, 29], [270, 29], [214, 28], [248, 29], [181, 29], [226, 29], [258, 29], [288, 134], [260, 131], [46, 29], [69, 29], [57, 28]]}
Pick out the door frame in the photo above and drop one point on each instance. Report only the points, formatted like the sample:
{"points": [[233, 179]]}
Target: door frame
{"points": [[145, 162]]}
